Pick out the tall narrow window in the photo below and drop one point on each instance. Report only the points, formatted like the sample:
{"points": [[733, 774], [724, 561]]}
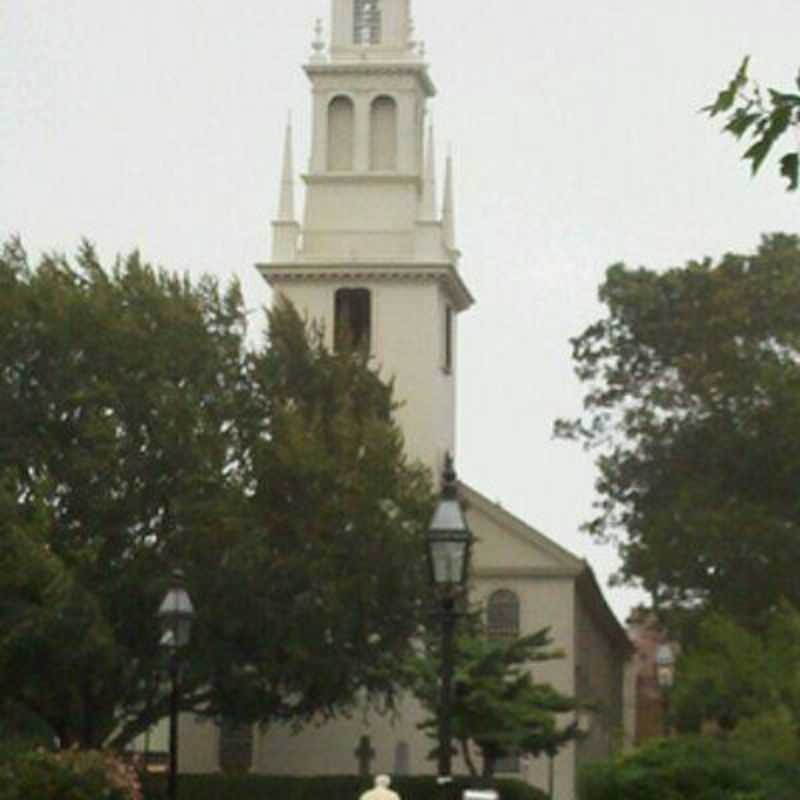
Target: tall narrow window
{"points": [[235, 747], [502, 615], [367, 22], [352, 319], [383, 134], [341, 134]]}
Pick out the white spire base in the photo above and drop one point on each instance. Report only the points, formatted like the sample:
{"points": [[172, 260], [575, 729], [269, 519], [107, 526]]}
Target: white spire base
{"points": [[285, 239]]}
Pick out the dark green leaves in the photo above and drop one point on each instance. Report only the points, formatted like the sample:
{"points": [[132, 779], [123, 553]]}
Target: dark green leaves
{"points": [[498, 703], [692, 398], [766, 121], [141, 433], [728, 96], [790, 169]]}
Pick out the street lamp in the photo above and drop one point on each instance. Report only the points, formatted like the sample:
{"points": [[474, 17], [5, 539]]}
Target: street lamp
{"points": [[176, 614], [449, 546], [665, 675]]}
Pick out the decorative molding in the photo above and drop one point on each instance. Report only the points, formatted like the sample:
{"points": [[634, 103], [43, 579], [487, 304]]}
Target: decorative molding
{"points": [[382, 176], [416, 68], [559, 573], [298, 271]]}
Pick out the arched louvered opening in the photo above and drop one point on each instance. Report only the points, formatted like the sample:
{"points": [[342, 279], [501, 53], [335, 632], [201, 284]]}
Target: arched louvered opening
{"points": [[367, 16], [383, 134], [502, 615], [341, 134]]}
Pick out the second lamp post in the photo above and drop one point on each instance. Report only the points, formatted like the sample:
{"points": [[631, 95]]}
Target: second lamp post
{"points": [[449, 547], [176, 614]]}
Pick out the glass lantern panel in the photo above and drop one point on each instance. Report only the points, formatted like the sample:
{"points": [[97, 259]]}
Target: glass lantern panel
{"points": [[448, 561], [449, 517], [183, 627]]}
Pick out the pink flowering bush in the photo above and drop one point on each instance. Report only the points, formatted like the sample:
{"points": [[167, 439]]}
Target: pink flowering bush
{"points": [[69, 775]]}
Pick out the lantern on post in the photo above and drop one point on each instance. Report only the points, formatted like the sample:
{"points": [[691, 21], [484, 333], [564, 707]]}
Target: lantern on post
{"points": [[449, 550]]}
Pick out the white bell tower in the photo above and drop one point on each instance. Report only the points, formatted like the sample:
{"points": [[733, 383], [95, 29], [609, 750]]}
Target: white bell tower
{"points": [[373, 259]]}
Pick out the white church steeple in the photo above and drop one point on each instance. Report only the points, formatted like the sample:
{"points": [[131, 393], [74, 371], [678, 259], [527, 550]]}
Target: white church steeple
{"points": [[371, 252]]}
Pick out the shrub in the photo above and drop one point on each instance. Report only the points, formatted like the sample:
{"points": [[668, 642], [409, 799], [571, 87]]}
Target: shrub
{"points": [[70, 775], [347, 787], [690, 768]]}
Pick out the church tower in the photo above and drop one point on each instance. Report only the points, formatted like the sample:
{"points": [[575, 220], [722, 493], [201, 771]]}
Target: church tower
{"points": [[373, 260]]}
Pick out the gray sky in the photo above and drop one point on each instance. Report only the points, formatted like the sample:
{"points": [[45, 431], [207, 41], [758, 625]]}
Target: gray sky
{"points": [[576, 139]]}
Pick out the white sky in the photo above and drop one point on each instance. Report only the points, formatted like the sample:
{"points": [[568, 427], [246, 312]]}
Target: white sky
{"points": [[577, 143]]}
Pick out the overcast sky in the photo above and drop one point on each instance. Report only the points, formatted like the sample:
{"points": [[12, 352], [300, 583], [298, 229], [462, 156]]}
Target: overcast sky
{"points": [[577, 143]]}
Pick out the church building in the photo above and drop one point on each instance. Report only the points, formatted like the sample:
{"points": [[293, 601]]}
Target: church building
{"points": [[374, 254]]}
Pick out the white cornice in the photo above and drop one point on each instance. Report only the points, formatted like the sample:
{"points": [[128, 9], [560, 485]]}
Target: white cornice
{"points": [[362, 177], [418, 69], [298, 271]]}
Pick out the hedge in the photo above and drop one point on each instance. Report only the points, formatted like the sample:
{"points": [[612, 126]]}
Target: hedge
{"points": [[345, 787], [690, 768]]}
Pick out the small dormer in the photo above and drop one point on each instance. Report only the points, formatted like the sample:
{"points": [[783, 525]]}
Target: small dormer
{"points": [[371, 29]]}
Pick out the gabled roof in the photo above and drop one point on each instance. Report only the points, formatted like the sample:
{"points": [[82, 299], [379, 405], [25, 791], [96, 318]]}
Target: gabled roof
{"points": [[569, 564], [564, 565]]}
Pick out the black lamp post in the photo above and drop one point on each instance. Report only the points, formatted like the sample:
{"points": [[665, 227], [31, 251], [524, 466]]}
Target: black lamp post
{"points": [[176, 614], [665, 674], [449, 546]]}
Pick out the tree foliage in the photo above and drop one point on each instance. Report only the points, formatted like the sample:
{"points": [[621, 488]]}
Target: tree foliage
{"points": [[692, 404], [141, 433], [70, 775], [690, 768], [747, 683], [497, 703], [764, 118]]}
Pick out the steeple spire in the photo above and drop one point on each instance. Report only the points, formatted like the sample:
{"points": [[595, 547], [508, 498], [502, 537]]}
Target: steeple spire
{"points": [[286, 201], [448, 210], [285, 228], [428, 208]]}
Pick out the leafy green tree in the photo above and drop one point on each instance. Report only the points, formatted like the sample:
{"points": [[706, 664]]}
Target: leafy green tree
{"points": [[747, 683], [497, 703], [765, 119], [692, 405], [690, 768], [141, 433]]}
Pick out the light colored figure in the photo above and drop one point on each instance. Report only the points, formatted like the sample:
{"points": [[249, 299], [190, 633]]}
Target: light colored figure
{"points": [[381, 790]]}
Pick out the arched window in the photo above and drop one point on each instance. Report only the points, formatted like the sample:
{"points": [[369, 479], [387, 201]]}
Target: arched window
{"points": [[352, 319], [502, 615], [341, 134], [383, 134]]}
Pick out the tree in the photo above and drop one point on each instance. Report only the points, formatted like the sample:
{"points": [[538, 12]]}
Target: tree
{"points": [[693, 406], [764, 119], [690, 768], [497, 704], [141, 433], [747, 683]]}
